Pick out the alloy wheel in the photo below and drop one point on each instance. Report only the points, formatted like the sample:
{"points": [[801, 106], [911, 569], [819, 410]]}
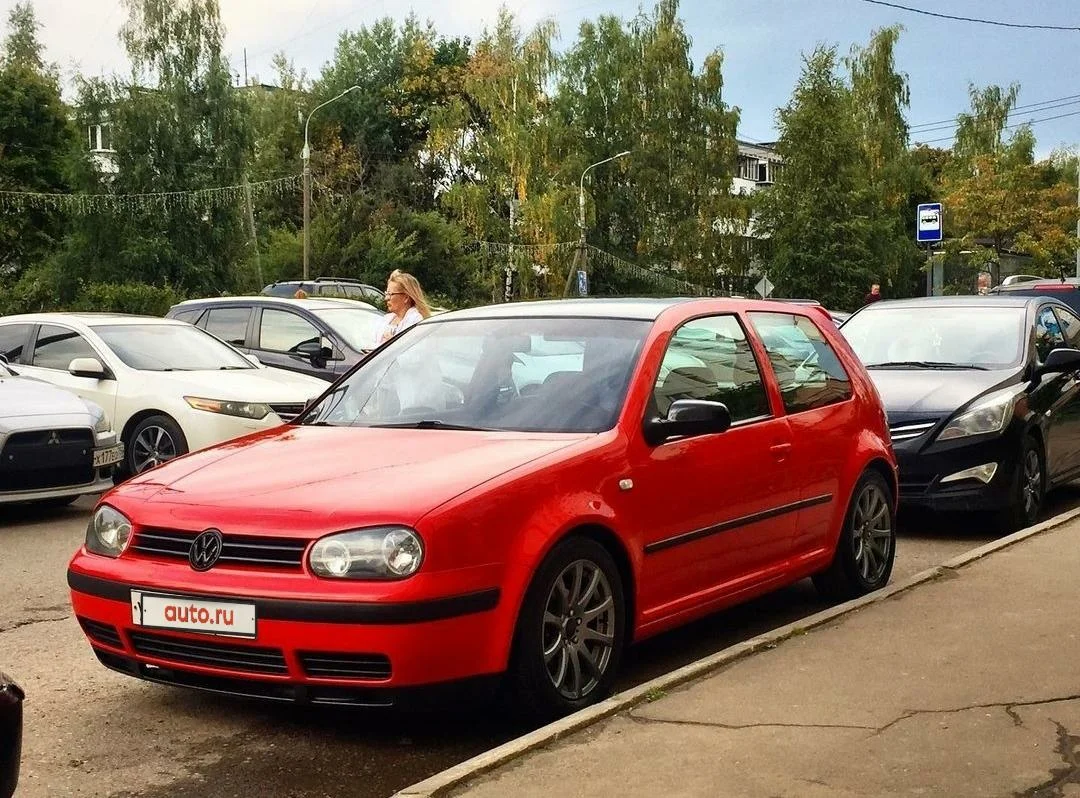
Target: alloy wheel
{"points": [[578, 629], [1032, 482], [153, 446], [872, 526]]}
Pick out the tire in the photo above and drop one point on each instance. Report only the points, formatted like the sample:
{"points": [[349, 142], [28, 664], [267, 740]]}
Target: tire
{"points": [[154, 440], [1028, 490], [863, 560], [536, 690]]}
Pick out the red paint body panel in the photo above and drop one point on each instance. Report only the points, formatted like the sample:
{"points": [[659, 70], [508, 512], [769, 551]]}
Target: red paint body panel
{"points": [[490, 505]]}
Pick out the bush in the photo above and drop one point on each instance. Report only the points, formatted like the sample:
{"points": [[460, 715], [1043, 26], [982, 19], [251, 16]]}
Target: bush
{"points": [[137, 298]]}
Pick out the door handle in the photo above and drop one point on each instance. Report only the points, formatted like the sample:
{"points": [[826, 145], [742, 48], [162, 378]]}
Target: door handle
{"points": [[780, 450]]}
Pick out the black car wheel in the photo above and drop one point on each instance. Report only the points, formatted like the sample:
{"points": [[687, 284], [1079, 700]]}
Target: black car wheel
{"points": [[1029, 487], [863, 560], [155, 440], [570, 633], [11, 733]]}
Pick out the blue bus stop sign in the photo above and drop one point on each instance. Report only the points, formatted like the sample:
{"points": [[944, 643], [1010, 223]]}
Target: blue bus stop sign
{"points": [[928, 223]]}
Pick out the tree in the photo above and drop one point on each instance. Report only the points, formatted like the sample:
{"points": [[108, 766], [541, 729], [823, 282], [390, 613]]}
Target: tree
{"points": [[178, 125], [36, 139], [820, 213]]}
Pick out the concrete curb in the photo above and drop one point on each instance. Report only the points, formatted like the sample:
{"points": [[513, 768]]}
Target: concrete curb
{"points": [[441, 783]]}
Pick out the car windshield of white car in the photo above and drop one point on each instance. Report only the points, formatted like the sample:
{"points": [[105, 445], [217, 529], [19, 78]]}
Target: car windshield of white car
{"points": [[170, 347], [986, 337], [356, 325], [520, 374]]}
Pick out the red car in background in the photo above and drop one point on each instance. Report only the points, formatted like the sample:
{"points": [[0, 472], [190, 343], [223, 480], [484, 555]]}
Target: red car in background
{"points": [[509, 494]]}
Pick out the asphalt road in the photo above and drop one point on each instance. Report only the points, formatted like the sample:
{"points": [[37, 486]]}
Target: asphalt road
{"points": [[91, 732]]}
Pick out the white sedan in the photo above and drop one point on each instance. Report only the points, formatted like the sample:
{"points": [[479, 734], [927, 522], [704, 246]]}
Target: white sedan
{"points": [[169, 387]]}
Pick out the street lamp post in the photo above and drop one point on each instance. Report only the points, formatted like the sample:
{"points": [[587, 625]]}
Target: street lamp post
{"points": [[306, 155], [580, 257]]}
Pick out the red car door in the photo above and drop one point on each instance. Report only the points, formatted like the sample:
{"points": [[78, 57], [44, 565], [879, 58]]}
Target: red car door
{"points": [[717, 511], [818, 400]]}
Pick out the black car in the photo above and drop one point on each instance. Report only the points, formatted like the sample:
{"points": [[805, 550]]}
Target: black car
{"points": [[11, 732], [320, 337], [336, 287], [1066, 289], [982, 395]]}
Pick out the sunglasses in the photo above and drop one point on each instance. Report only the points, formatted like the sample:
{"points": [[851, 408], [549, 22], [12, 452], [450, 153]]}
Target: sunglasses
{"points": [[389, 294]]}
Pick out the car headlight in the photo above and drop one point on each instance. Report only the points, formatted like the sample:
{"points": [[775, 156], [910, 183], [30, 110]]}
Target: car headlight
{"points": [[391, 552], [108, 532], [989, 415], [252, 410], [102, 424]]}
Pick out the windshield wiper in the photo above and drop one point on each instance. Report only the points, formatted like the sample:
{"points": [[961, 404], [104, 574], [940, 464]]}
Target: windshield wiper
{"points": [[924, 364], [429, 423]]}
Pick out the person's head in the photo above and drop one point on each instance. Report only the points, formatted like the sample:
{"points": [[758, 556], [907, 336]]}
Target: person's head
{"points": [[300, 294], [875, 288], [403, 291]]}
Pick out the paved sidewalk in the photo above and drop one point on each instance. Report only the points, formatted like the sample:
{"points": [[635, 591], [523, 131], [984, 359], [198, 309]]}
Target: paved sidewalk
{"points": [[965, 686]]}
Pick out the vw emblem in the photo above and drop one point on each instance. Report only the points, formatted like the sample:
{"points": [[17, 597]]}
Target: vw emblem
{"points": [[54, 438], [205, 550]]}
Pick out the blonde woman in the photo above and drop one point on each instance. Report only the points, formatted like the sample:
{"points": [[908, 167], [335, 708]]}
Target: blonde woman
{"points": [[406, 305]]}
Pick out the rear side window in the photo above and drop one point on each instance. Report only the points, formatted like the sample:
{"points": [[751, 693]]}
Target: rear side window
{"points": [[12, 340], [190, 316], [228, 324], [807, 368]]}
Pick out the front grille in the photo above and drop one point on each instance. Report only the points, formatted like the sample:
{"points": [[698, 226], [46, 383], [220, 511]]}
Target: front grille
{"points": [[260, 550], [210, 654], [101, 632], [47, 459], [909, 430], [287, 412], [346, 666]]}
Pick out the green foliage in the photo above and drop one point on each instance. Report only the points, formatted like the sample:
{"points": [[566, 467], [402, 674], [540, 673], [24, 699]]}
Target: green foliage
{"points": [[143, 300]]}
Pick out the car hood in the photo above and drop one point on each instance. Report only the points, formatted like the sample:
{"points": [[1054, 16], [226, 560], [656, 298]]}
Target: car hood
{"points": [[243, 385], [330, 477], [932, 392], [25, 398]]}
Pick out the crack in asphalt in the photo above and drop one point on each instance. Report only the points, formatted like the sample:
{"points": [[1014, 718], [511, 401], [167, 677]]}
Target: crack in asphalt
{"points": [[1008, 706], [1054, 787], [32, 621]]}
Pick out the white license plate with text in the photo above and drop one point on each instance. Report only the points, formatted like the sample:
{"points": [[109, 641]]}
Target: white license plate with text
{"points": [[160, 611], [104, 457]]}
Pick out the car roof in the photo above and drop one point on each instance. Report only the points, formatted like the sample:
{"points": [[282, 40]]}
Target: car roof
{"points": [[87, 319], [312, 303], [991, 300], [643, 309]]}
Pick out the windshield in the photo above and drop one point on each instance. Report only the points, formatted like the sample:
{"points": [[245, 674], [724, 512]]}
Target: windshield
{"points": [[170, 347], [521, 374], [984, 336], [356, 325]]}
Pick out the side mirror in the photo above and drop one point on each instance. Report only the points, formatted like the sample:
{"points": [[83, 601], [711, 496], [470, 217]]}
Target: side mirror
{"points": [[89, 367], [316, 352], [1060, 360], [688, 418]]}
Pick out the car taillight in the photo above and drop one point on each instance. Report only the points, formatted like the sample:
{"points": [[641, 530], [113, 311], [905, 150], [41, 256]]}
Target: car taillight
{"points": [[1056, 287]]}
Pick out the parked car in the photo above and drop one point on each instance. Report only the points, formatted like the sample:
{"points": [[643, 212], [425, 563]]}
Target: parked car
{"points": [[322, 338], [170, 388], [340, 287], [11, 733], [1066, 289], [568, 500], [982, 397], [54, 446]]}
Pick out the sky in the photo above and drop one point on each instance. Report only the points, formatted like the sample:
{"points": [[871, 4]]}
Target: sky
{"points": [[763, 42]]}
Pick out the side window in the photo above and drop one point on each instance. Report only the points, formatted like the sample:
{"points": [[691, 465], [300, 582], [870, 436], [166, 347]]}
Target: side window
{"points": [[1048, 335], [56, 347], [228, 324], [190, 316], [807, 369], [283, 331], [12, 340], [1070, 327], [711, 359]]}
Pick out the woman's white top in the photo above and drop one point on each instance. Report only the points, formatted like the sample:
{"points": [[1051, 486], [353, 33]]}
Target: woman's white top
{"points": [[391, 326]]}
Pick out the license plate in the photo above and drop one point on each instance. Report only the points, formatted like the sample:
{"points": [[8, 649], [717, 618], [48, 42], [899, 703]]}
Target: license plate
{"points": [[104, 457], [222, 618]]}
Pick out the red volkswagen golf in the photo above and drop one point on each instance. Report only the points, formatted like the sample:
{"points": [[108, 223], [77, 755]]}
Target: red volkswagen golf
{"points": [[509, 494]]}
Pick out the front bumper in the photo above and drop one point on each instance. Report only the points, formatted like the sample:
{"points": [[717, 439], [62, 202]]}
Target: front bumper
{"points": [[922, 474], [341, 652]]}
